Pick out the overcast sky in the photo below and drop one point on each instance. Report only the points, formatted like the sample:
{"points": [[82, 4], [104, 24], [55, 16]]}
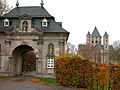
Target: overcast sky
{"points": [[80, 16]]}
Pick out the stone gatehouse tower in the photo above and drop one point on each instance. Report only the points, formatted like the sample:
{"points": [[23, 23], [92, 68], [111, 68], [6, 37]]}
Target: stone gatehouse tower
{"points": [[30, 28]]}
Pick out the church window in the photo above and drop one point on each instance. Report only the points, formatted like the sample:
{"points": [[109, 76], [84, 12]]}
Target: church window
{"points": [[50, 63], [25, 26], [6, 22], [96, 41], [44, 22], [106, 40], [50, 48], [92, 41]]}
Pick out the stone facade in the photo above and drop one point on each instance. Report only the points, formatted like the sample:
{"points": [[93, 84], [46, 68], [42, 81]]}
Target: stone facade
{"points": [[22, 31]]}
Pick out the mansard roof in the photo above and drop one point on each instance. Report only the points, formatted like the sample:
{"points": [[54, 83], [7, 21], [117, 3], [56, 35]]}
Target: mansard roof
{"points": [[37, 14], [33, 11], [96, 33]]}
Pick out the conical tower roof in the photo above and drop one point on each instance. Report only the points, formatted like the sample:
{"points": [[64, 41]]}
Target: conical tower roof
{"points": [[88, 33], [96, 33], [105, 35]]}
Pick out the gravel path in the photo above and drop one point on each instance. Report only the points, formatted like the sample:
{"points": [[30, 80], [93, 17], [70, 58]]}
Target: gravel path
{"points": [[21, 83]]}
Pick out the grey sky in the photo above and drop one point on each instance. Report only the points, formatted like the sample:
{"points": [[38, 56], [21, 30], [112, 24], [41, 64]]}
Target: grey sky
{"points": [[81, 16]]}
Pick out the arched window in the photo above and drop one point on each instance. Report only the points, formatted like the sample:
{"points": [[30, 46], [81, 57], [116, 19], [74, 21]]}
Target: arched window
{"points": [[50, 58], [50, 48], [25, 26]]}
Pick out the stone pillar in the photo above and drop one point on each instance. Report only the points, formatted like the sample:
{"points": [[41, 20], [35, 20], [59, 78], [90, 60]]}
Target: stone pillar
{"points": [[61, 47], [39, 59]]}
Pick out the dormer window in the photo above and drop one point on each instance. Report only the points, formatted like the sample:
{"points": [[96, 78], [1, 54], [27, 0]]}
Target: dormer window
{"points": [[6, 22], [44, 22]]}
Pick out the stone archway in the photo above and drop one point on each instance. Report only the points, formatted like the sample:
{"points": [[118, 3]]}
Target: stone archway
{"points": [[18, 63]]}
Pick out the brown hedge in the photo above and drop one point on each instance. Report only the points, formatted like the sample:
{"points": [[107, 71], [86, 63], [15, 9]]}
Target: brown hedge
{"points": [[73, 70]]}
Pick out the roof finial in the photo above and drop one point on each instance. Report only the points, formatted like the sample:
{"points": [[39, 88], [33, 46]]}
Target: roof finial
{"points": [[17, 3], [42, 3]]}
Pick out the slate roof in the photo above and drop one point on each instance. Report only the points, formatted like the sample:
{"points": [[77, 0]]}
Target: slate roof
{"points": [[88, 33], [110, 47], [37, 13], [99, 46], [33, 11], [105, 35], [96, 33]]}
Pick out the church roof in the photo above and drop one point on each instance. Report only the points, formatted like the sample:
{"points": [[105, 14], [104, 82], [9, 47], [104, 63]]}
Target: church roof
{"points": [[110, 47], [88, 33], [99, 46], [96, 33], [105, 35], [33, 11]]}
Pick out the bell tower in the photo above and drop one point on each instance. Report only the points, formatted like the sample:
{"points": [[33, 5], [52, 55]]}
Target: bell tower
{"points": [[106, 41]]}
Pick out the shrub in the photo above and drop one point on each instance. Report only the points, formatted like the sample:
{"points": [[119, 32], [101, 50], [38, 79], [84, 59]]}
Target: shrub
{"points": [[73, 70]]}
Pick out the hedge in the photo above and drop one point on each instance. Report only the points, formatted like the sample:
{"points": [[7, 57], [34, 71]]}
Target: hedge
{"points": [[75, 71]]}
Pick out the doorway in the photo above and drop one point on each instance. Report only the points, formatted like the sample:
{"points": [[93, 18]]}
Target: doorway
{"points": [[23, 60]]}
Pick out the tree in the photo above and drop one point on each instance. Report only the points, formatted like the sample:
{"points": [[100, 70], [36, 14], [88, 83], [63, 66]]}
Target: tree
{"points": [[3, 7], [115, 53], [29, 61], [71, 48]]}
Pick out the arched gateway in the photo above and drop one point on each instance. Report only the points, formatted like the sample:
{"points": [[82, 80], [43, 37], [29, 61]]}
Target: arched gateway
{"points": [[20, 64], [30, 29]]}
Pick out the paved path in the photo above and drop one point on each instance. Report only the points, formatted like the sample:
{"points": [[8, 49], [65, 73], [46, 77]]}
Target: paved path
{"points": [[21, 83]]}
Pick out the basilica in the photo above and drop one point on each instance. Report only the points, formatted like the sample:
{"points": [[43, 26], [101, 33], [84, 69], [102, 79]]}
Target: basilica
{"points": [[97, 48]]}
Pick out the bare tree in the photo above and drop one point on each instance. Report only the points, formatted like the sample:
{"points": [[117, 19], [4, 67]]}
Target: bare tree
{"points": [[71, 48], [115, 53], [3, 7]]}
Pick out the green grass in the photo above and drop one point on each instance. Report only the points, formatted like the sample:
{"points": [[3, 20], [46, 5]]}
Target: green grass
{"points": [[6, 76], [49, 81]]}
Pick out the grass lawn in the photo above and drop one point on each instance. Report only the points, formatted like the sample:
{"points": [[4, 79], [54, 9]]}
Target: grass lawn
{"points": [[50, 81], [5, 77]]}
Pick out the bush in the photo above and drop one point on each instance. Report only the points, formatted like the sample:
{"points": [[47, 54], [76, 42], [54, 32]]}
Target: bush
{"points": [[73, 70]]}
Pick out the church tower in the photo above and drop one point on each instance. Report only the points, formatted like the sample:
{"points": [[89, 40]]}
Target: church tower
{"points": [[88, 38], [96, 37], [106, 41], [106, 48]]}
